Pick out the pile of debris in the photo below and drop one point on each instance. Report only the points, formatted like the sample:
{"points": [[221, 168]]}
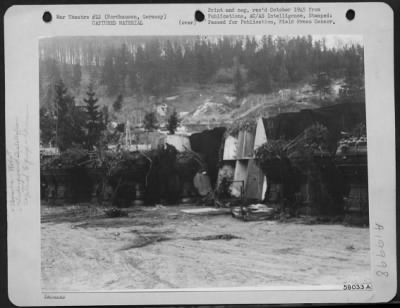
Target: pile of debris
{"points": [[254, 212]]}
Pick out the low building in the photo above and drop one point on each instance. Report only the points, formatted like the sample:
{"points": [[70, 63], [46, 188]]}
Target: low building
{"points": [[337, 119], [238, 152]]}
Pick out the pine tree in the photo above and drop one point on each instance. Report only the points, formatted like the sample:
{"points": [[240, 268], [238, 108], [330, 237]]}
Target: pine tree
{"points": [[109, 74], [140, 66], [78, 126], [173, 122], [49, 73], [283, 77], [150, 121], [104, 135], [105, 115], [238, 83], [117, 105], [201, 68], [47, 126], [76, 75], [121, 66], [132, 74], [66, 73], [64, 104], [353, 88], [169, 67], [93, 118]]}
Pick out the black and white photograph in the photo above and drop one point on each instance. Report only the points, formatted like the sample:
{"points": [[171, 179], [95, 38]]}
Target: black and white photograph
{"points": [[200, 154], [184, 162]]}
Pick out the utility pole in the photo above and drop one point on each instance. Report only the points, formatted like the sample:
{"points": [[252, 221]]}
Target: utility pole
{"points": [[128, 138]]}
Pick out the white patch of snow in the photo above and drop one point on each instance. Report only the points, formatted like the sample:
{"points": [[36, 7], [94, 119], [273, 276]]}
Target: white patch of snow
{"points": [[230, 99], [171, 98]]}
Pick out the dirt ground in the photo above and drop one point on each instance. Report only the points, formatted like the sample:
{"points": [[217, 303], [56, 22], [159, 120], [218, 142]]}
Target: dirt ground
{"points": [[162, 247]]}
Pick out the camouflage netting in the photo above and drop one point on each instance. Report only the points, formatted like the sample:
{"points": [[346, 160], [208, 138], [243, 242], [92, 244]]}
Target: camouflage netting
{"points": [[161, 172], [247, 124], [188, 164], [155, 176], [128, 166], [353, 143], [304, 167], [67, 159], [66, 177]]}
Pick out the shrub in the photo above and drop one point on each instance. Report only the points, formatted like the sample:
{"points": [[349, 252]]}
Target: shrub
{"points": [[271, 150], [68, 159], [249, 125]]}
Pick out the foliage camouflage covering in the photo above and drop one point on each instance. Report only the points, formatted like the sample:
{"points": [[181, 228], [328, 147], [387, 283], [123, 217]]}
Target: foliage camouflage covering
{"points": [[74, 157], [354, 142], [300, 152], [248, 125], [313, 142], [359, 131], [187, 164], [272, 157], [304, 160], [129, 166], [273, 149]]}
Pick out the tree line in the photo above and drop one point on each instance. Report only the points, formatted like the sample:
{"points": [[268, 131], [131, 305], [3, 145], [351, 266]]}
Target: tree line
{"points": [[158, 66], [68, 125]]}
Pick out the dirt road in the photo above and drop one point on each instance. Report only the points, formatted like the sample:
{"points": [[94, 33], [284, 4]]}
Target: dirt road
{"points": [[165, 248]]}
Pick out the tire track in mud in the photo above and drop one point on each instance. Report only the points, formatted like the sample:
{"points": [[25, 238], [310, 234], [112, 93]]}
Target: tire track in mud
{"points": [[152, 278], [89, 258]]}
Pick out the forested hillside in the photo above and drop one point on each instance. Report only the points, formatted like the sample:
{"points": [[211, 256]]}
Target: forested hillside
{"points": [[156, 66], [132, 75]]}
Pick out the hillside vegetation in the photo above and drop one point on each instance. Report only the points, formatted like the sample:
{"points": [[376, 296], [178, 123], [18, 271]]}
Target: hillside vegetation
{"points": [[205, 80]]}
